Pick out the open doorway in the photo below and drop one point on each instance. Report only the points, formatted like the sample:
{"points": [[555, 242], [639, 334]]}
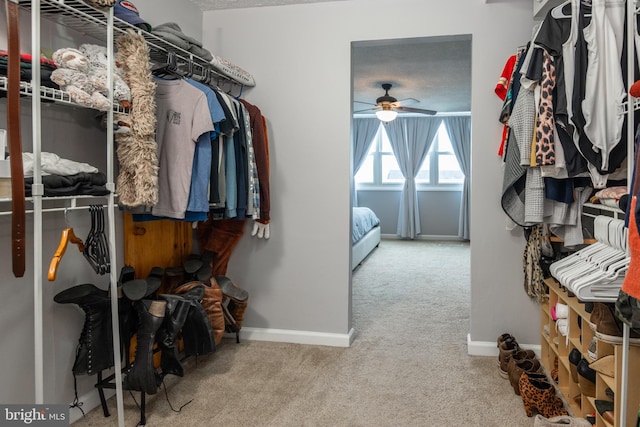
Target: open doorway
{"points": [[426, 79]]}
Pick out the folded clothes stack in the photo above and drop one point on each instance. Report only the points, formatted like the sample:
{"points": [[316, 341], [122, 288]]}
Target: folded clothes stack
{"points": [[172, 33]]}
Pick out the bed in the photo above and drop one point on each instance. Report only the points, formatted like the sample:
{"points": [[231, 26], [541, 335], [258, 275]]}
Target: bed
{"points": [[365, 234]]}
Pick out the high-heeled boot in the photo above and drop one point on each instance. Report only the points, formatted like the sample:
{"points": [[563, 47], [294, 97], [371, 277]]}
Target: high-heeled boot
{"points": [[238, 300], [142, 375], [173, 277], [174, 318], [197, 333], [540, 395], [95, 346]]}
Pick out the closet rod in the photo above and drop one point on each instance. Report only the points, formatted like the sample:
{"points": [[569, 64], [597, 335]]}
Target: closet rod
{"points": [[72, 208], [37, 191]]}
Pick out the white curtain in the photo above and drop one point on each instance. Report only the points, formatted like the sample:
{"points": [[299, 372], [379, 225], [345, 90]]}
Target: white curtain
{"points": [[411, 138], [459, 130], [364, 130]]}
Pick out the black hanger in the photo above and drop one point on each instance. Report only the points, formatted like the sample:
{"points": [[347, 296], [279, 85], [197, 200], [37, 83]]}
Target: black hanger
{"points": [[170, 68]]}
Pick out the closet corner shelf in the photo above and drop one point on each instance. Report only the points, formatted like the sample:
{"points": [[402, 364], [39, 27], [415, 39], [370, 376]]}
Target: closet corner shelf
{"points": [[90, 21], [56, 95]]}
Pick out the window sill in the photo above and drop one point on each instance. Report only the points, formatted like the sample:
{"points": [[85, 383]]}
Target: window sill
{"points": [[421, 188]]}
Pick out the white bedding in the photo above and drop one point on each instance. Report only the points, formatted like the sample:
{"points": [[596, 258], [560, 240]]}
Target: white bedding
{"points": [[365, 234]]}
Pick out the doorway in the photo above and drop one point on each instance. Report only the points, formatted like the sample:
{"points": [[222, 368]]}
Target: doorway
{"points": [[428, 75]]}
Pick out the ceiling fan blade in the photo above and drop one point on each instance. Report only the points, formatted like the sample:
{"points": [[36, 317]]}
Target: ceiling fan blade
{"points": [[367, 109], [416, 110], [405, 102], [367, 103]]}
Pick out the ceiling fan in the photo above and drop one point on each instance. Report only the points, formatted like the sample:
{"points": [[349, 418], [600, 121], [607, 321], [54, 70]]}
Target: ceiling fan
{"points": [[387, 107]]}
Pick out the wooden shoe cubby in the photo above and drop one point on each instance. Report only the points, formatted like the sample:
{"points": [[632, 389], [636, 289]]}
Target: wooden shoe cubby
{"points": [[580, 334]]}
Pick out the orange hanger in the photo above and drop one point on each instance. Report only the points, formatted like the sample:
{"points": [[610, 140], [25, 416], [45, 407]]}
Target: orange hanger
{"points": [[67, 236]]}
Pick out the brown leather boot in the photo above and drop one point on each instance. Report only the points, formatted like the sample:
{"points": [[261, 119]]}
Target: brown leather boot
{"points": [[237, 309], [517, 367], [173, 277], [237, 305], [506, 349], [212, 303]]}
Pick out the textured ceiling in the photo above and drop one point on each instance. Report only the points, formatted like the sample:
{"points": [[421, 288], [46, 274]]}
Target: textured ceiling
{"points": [[434, 70]]}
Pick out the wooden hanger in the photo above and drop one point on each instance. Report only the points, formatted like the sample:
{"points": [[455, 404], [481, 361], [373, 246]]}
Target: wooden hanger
{"points": [[67, 236]]}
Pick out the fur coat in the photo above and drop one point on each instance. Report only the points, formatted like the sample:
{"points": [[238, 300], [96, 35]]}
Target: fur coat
{"points": [[137, 150]]}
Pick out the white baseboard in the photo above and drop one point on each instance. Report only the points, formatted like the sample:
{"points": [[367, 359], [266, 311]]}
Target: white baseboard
{"points": [[296, 337], [489, 348], [90, 401], [425, 237]]}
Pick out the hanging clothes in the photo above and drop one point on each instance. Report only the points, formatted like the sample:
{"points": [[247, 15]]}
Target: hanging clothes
{"points": [[183, 116]]}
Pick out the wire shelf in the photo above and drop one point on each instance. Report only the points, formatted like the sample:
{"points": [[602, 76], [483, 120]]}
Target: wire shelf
{"points": [[90, 21], [54, 95]]}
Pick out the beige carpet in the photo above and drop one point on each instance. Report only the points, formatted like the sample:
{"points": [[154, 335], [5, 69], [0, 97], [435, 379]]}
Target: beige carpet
{"points": [[408, 365]]}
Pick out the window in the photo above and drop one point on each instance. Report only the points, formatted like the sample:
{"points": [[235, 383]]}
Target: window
{"points": [[440, 166]]}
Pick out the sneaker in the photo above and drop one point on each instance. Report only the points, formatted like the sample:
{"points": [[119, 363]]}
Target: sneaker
{"points": [[608, 328], [562, 327], [591, 350], [559, 311]]}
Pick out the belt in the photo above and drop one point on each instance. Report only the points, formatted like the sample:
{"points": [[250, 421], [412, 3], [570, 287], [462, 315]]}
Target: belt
{"points": [[15, 143]]}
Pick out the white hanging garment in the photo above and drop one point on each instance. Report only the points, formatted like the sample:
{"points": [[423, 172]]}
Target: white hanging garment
{"points": [[602, 106]]}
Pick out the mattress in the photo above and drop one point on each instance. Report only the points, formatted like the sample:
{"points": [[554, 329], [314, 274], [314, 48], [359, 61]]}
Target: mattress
{"points": [[364, 220]]}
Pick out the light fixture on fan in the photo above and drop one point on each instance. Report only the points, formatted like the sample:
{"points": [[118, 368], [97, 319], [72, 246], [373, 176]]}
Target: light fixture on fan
{"points": [[386, 115], [387, 107]]}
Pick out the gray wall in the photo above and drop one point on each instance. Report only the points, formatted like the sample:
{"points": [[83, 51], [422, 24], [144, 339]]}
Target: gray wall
{"points": [[439, 211], [300, 278]]}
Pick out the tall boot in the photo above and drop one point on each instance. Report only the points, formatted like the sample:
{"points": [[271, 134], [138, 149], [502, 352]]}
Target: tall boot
{"points": [[95, 346], [173, 277], [197, 333], [238, 301], [212, 304], [174, 318], [142, 376]]}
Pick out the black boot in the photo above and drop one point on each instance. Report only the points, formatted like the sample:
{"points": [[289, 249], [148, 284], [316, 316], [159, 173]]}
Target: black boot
{"points": [[174, 318], [197, 333], [95, 346], [142, 376]]}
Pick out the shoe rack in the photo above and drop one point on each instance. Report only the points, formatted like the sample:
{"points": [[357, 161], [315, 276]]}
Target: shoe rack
{"points": [[579, 336]]}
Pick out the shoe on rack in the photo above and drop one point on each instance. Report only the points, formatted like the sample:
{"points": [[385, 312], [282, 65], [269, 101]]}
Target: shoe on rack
{"points": [[605, 365], [586, 378], [559, 311], [608, 327], [562, 326], [574, 359], [605, 409], [592, 349]]}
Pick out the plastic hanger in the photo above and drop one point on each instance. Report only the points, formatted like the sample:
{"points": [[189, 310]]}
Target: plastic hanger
{"points": [[563, 11], [68, 236]]}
